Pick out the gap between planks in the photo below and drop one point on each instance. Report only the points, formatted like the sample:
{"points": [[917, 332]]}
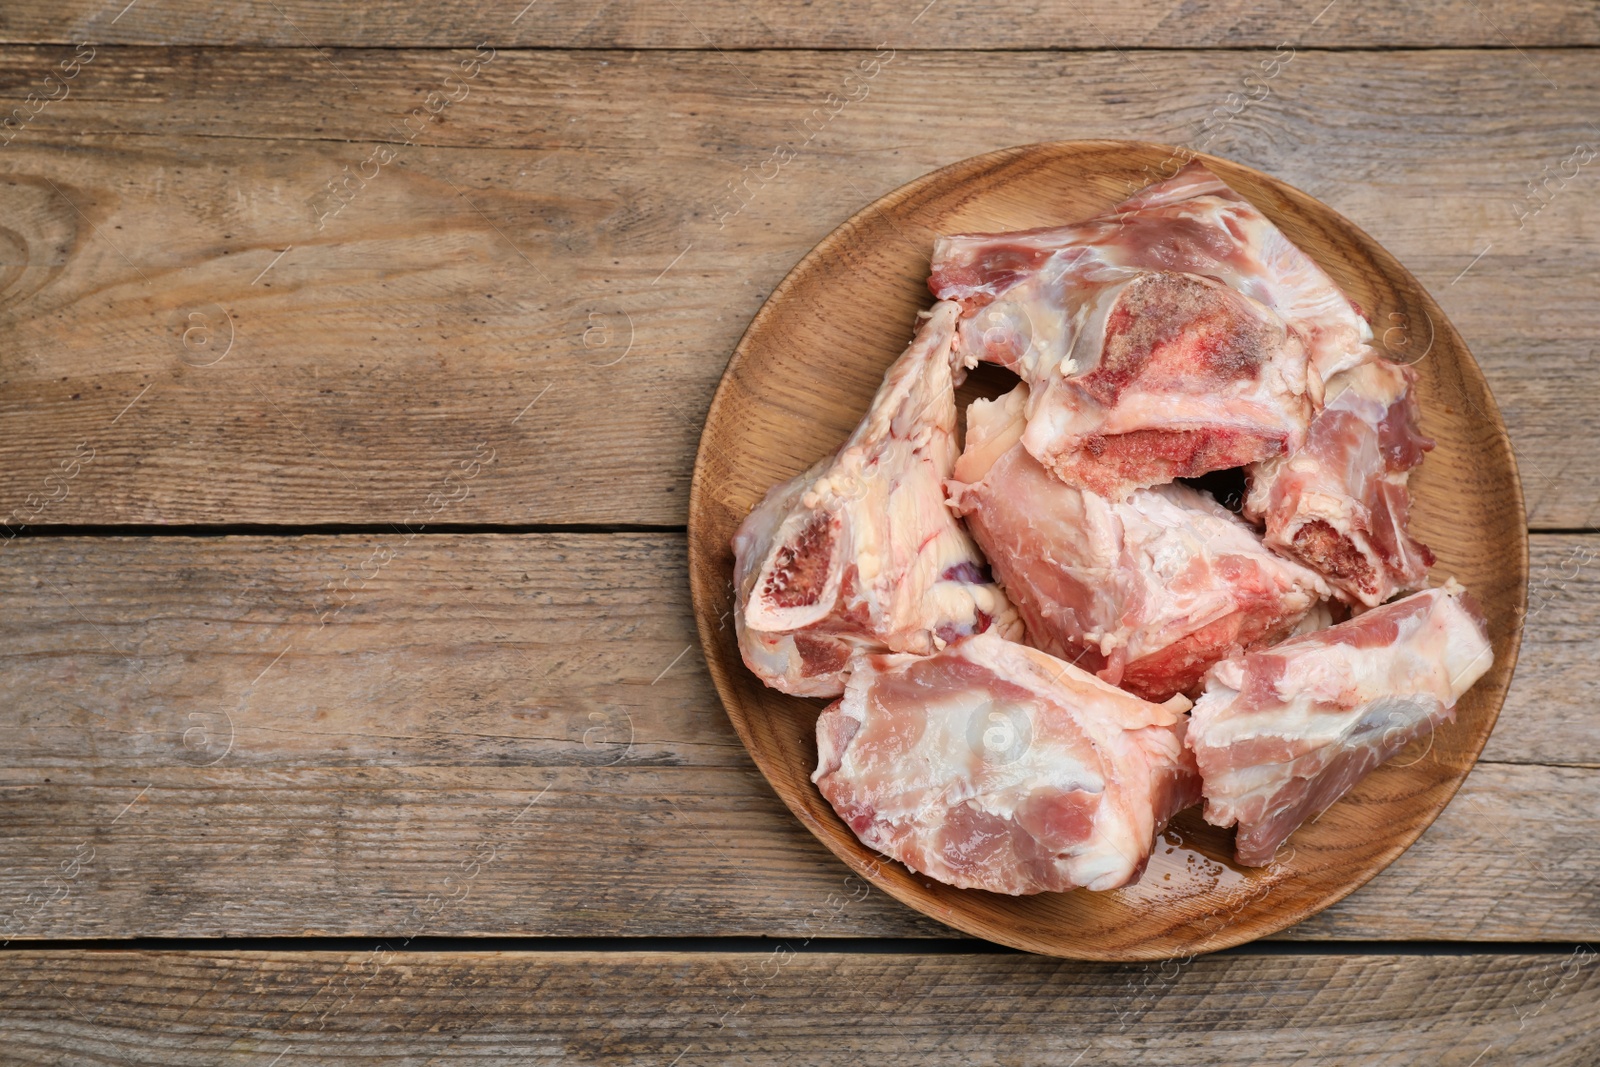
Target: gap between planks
{"points": [[891, 946], [864, 46], [371, 529], [338, 529]]}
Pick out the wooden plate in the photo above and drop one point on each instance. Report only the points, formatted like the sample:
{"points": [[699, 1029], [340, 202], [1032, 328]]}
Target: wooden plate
{"points": [[803, 376]]}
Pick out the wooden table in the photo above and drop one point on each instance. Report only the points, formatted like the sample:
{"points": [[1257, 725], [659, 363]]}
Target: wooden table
{"points": [[352, 361]]}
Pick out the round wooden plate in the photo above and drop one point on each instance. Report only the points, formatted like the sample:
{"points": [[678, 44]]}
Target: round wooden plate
{"points": [[807, 369]]}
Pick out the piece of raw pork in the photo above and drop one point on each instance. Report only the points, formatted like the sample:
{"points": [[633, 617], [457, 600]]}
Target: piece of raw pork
{"points": [[1179, 334], [995, 766], [860, 552], [1148, 592], [1339, 502], [1281, 734]]}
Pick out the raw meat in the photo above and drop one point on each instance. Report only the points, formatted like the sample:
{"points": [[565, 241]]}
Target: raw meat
{"points": [[1180, 334], [860, 552], [1339, 502], [995, 766], [1281, 734], [1148, 592]]}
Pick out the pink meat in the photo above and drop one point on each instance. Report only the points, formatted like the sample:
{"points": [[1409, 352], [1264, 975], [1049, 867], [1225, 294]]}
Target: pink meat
{"points": [[860, 552], [1180, 334], [1281, 734], [994, 766], [1149, 592], [1339, 502]]}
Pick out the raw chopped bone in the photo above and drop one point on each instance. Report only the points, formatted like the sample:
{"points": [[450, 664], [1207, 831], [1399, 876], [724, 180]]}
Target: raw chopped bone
{"points": [[1149, 592], [1281, 734], [860, 552], [1339, 501], [996, 766], [1179, 334]]}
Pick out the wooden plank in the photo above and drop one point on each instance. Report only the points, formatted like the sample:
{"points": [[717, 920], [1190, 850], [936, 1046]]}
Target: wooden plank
{"points": [[186, 624], [344, 735], [565, 236], [1546, 718], [835, 24], [638, 851], [782, 1007]]}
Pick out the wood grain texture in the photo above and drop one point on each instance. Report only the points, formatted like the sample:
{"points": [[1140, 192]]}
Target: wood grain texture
{"points": [[557, 229], [1547, 719], [780, 1007], [806, 372], [831, 24], [361, 783], [629, 851], [307, 735]]}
